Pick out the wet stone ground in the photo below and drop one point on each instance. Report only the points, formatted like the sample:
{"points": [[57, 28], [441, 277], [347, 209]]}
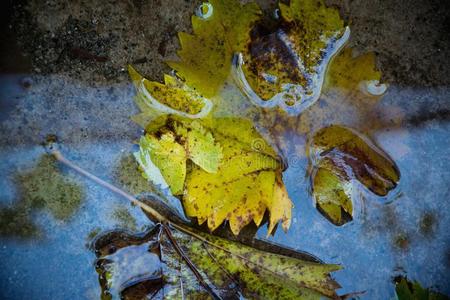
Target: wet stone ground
{"points": [[62, 71]]}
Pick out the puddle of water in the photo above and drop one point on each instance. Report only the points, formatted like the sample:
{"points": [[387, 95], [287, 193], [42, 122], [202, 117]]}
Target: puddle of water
{"points": [[406, 236], [403, 233]]}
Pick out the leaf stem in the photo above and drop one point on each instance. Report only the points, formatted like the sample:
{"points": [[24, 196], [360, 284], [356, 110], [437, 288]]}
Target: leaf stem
{"points": [[189, 263], [156, 216]]}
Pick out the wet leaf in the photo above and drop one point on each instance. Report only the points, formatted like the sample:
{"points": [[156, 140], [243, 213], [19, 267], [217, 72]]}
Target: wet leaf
{"points": [[407, 290], [369, 164], [172, 97], [220, 30], [163, 161], [332, 192], [345, 99], [234, 174], [286, 66], [202, 148], [349, 72], [149, 266], [340, 155], [243, 131]]}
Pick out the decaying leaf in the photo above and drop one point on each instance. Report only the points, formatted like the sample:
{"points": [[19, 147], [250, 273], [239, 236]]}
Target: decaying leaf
{"points": [[286, 66], [233, 174], [221, 29], [407, 290], [345, 99], [175, 261], [370, 165], [339, 155], [332, 192], [136, 267], [172, 97], [40, 188]]}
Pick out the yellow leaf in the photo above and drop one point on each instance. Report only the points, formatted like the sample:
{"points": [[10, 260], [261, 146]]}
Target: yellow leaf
{"points": [[238, 194], [280, 207], [332, 192], [349, 72], [242, 130], [202, 149], [172, 97], [221, 29], [242, 188], [168, 156]]}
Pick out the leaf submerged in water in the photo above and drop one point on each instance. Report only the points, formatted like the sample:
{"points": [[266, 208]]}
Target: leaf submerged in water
{"points": [[135, 267], [342, 155], [286, 67], [407, 290]]}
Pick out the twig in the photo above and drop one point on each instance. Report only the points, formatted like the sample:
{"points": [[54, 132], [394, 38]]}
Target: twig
{"points": [[188, 261], [152, 212]]}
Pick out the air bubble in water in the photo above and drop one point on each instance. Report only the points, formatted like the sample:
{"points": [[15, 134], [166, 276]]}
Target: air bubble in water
{"points": [[205, 10], [276, 14], [374, 87]]}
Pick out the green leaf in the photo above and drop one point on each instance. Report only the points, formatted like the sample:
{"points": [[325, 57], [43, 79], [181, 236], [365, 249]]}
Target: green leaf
{"points": [[229, 268], [163, 161], [221, 29], [407, 290]]}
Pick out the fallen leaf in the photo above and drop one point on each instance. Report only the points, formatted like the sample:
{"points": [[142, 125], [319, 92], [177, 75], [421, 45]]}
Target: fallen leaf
{"points": [[407, 290], [235, 175], [202, 148], [369, 164], [332, 192], [286, 66], [172, 97], [339, 155], [344, 100], [349, 72], [163, 157], [149, 266], [40, 189], [220, 30], [175, 261]]}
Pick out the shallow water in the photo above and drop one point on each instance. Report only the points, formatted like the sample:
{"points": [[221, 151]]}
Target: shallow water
{"points": [[405, 233]]}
